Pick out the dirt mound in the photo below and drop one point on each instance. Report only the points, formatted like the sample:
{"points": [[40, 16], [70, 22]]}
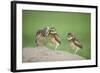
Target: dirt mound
{"points": [[41, 54]]}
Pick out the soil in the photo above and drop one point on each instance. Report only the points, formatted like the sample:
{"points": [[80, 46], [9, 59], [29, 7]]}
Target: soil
{"points": [[43, 54]]}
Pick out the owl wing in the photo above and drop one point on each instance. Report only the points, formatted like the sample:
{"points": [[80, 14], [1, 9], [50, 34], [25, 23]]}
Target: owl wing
{"points": [[78, 43], [57, 38]]}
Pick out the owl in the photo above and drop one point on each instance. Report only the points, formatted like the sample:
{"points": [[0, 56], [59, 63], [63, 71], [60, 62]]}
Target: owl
{"points": [[50, 33], [54, 37], [74, 42]]}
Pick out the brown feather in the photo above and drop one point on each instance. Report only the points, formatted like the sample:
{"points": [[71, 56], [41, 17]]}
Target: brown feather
{"points": [[57, 38], [77, 43]]}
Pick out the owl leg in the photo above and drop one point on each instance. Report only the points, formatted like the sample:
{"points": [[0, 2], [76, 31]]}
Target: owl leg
{"points": [[77, 49], [73, 47], [56, 46]]}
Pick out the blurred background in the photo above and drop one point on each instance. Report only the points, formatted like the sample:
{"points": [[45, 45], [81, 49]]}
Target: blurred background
{"points": [[64, 22]]}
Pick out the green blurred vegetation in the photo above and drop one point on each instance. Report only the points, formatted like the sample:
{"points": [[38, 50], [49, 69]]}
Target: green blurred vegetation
{"points": [[64, 22]]}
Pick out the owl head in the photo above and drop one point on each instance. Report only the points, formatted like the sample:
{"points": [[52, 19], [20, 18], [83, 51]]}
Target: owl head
{"points": [[52, 30], [70, 35]]}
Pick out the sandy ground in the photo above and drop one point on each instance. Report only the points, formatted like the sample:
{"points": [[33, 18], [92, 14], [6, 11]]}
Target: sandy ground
{"points": [[41, 54]]}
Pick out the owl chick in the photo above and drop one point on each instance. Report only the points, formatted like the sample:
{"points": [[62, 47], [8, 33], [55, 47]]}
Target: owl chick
{"points": [[54, 37], [74, 42]]}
